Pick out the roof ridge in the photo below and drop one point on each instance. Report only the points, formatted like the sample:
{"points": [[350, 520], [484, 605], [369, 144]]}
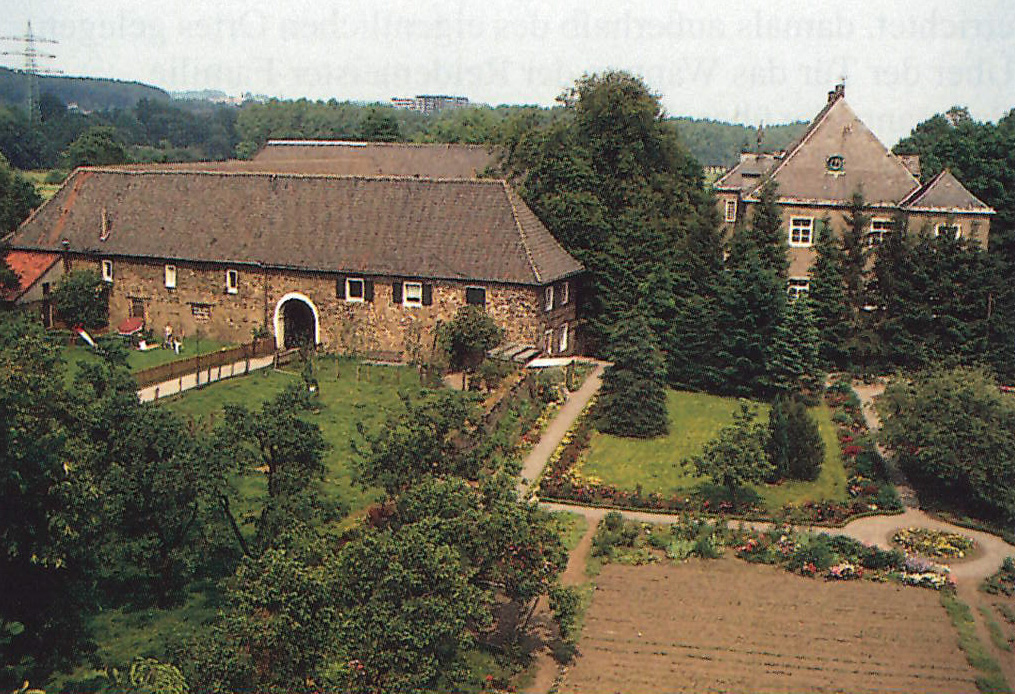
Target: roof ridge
{"points": [[508, 193], [310, 142], [285, 174], [791, 151]]}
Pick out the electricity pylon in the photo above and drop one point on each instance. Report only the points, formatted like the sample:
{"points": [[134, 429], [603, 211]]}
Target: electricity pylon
{"points": [[32, 56]]}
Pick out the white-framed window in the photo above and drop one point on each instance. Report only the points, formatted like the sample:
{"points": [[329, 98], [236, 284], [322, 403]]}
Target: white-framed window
{"points": [[548, 342], [797, 287], [801, 232], [107, 270], [232, 281], [731, 210], [548, 298], [565, 293], [563, 338], [879, 229], [412, 294], [950, 230], [170, 277], [475, 296], [355, 289]]}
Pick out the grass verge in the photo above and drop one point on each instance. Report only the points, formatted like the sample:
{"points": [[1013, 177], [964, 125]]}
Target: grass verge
{"points": [[991, 680], [997, 636]]}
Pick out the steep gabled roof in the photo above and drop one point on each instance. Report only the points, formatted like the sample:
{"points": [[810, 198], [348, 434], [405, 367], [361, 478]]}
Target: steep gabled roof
{"points": [[29, 266], [944, 193], [803, 174], [466, 229]]}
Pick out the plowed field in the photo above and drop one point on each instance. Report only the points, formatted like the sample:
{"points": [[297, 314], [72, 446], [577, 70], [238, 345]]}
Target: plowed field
{"points": [[729, 626]]}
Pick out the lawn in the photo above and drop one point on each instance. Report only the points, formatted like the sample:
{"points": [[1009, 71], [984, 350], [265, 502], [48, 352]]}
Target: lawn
{"points": [[138, 360], [656, 464], [344, 401]]}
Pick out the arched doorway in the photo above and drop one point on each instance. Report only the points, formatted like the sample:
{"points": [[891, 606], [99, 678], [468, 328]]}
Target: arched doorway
{"points": [[296, 321]]}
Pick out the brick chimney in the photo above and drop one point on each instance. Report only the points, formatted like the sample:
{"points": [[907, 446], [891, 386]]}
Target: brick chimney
{"points": [[838, 93]]}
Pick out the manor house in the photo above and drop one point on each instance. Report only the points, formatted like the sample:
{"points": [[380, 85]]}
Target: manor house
{"points": [[817, 176]]}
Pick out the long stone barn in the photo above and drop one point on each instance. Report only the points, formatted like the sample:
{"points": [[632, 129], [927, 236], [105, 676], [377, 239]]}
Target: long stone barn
{"points": [[355, 263]]}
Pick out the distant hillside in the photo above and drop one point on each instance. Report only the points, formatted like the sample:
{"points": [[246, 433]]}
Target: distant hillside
{"points": [[714, 143], [89, 93]]}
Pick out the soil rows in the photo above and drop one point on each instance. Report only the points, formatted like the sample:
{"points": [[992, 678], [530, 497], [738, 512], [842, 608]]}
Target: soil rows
{"points": [[728, 626]]}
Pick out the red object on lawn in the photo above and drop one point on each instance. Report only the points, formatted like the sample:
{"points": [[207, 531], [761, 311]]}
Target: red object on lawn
{"points": [[130, 326]]}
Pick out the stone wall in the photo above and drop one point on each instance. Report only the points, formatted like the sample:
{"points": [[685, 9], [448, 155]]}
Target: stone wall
{"points": [[379, 326]]}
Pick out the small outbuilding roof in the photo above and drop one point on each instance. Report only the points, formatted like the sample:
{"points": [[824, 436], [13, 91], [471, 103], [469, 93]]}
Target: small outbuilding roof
{"points": [[29, 267], [945, 194], [460, 229]]}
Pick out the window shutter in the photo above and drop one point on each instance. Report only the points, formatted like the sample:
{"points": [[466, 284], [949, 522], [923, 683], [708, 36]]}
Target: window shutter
{"points": [[427, 294], [340, 287], [396, 292], [368, 290]]}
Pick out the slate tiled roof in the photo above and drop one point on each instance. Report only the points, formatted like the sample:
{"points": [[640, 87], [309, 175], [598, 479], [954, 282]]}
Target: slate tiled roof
{"points": [[29, 266], [869, 166], [464, 229], [944, 193]]}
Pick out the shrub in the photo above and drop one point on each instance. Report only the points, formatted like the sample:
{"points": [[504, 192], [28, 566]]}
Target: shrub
{"points": [[794, 446], [565, 602], [953, 434], [491, 373], [815, 552], [468, 336], [82, 298]]}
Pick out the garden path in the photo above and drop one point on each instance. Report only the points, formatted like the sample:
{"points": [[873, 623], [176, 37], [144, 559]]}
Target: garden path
{"points": [[536, 460]]}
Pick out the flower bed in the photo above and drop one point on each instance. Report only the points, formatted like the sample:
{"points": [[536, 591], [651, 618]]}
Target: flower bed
{"points": [[815, 555], [563, 479], [934, 543]]}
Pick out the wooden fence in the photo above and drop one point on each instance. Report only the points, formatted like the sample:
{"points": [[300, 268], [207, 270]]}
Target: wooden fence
{"points": [[185, 367]]}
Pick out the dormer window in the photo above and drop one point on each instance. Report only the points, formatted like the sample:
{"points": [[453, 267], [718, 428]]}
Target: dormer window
{"points": [[835, 163]]}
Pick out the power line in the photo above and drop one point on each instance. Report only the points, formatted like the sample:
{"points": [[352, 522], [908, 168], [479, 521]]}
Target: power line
{"points": [[32, 69]]}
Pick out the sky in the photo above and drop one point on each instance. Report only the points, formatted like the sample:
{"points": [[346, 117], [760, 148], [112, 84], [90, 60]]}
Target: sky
{"points": [[744, 61]]}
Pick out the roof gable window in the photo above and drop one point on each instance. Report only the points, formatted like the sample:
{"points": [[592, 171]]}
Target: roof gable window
{"points": [[835, 164]]}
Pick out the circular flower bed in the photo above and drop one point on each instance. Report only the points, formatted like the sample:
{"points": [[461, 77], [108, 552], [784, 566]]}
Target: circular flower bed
{"points": [[933, 543]]}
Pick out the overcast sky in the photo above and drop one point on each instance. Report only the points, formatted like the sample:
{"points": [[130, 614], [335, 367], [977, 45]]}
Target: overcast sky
{"points": [[737, 60]]}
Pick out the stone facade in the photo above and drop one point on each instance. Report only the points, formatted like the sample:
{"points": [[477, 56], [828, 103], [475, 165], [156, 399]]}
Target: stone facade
{"points": [[201, 302], [801, 258]]}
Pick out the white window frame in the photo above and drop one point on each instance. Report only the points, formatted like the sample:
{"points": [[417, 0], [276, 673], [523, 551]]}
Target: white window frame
{"points": [[548, 341], [731, 210], [107, 270], [349, 298], [564, 337], [170, 277], [953, 225], [800, 225], [232, 281], [565, 293], [797, 287], [414, 302], [878, 234], [548, 298]]}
